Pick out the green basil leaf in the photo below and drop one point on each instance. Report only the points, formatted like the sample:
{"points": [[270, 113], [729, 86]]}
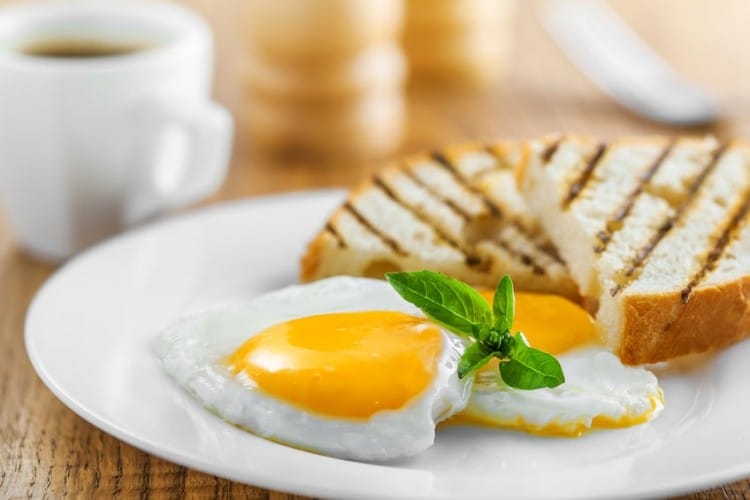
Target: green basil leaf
{"points": [[530, 368], [453, 304], [475, 357], [504, 304]]}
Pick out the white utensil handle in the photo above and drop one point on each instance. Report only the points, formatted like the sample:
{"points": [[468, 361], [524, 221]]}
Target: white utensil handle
{"points": [[604, 48]]}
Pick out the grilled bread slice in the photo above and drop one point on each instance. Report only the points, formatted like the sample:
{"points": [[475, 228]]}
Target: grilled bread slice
{"points": [[656, 234], [457, 211]]}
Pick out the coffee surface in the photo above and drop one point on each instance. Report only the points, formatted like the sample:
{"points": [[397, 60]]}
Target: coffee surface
{"points": [[80, 48]]}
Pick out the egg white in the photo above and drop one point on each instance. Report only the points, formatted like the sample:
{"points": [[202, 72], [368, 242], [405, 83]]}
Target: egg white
{"points": [[192, 351], [596, 385]]}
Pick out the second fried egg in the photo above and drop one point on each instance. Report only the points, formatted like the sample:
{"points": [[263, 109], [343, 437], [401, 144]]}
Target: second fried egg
{"points": [[599, 391]]}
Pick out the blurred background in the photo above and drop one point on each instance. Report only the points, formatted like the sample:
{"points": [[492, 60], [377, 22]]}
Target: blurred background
{"points": [[530, 87], [324, 92]]}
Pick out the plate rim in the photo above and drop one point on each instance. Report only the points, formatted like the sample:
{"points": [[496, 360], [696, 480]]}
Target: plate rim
{"points": [[694, 483]]}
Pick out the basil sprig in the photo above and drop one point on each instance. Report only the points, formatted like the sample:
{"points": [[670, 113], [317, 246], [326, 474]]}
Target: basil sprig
{"points": [[462, 310]]}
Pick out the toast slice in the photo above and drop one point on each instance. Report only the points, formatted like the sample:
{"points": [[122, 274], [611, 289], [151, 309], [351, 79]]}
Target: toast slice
{"points": [[457, 210], [656, 234]]}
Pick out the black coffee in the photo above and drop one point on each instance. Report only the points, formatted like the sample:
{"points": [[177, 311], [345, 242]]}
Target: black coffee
{"points": [[79, 48]]}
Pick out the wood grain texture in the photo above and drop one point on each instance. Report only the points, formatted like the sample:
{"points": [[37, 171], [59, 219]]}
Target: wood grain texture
{"points": [[46, 451]]}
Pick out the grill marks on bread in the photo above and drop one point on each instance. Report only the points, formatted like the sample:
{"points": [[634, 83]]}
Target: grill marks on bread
{"points": [[471, 258], [543, 247], [616, 219], [479, 182], [586, 180], [457, 211], [619, 217], [527, 259], [549, 152], [659, 232], [523, 232], [580, 183], [330, 229], [692, 194], [726, 236], [392, 243], [426, 217], [445, 163], [448, 202]]}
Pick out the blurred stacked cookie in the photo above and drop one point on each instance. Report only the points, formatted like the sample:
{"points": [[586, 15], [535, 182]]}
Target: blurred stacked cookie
{"points": [[325, 77], [463, 42]]}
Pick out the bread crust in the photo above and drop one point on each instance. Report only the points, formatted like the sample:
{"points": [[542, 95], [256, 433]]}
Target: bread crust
{"points": [[676, 328], [311, 261], [454, 151]]}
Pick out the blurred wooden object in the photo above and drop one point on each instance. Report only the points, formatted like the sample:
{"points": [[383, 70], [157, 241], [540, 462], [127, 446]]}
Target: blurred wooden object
{"points": [[48, 451], [325, 78], [459, 42], [311, 31]]}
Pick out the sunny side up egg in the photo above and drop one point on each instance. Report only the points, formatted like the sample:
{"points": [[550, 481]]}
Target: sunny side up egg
{"points": [[599, 391], [342, 367]]}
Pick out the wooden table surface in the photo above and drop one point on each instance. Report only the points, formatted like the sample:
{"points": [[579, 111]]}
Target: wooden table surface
{"points": [[48, 451]]}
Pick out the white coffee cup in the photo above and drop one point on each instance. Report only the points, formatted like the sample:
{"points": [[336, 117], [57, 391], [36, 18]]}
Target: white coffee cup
{"points": [[91, 145]]}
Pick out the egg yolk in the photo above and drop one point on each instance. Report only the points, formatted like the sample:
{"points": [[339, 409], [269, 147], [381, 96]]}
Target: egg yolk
{"points": [[349, 365], [549, 322]]}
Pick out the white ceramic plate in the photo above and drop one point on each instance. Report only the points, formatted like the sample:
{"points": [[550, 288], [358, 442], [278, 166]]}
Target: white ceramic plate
{"points": [[91, 333]]}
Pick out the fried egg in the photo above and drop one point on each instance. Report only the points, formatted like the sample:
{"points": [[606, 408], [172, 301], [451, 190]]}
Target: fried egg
{"points": [[599, 391], [343, 367]]}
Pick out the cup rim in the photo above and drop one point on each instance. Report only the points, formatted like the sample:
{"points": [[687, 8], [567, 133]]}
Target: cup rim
{"points": [[192, 29]]}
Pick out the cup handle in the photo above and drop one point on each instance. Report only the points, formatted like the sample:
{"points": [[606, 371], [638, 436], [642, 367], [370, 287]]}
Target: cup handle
{"points": [[184, 155]]}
